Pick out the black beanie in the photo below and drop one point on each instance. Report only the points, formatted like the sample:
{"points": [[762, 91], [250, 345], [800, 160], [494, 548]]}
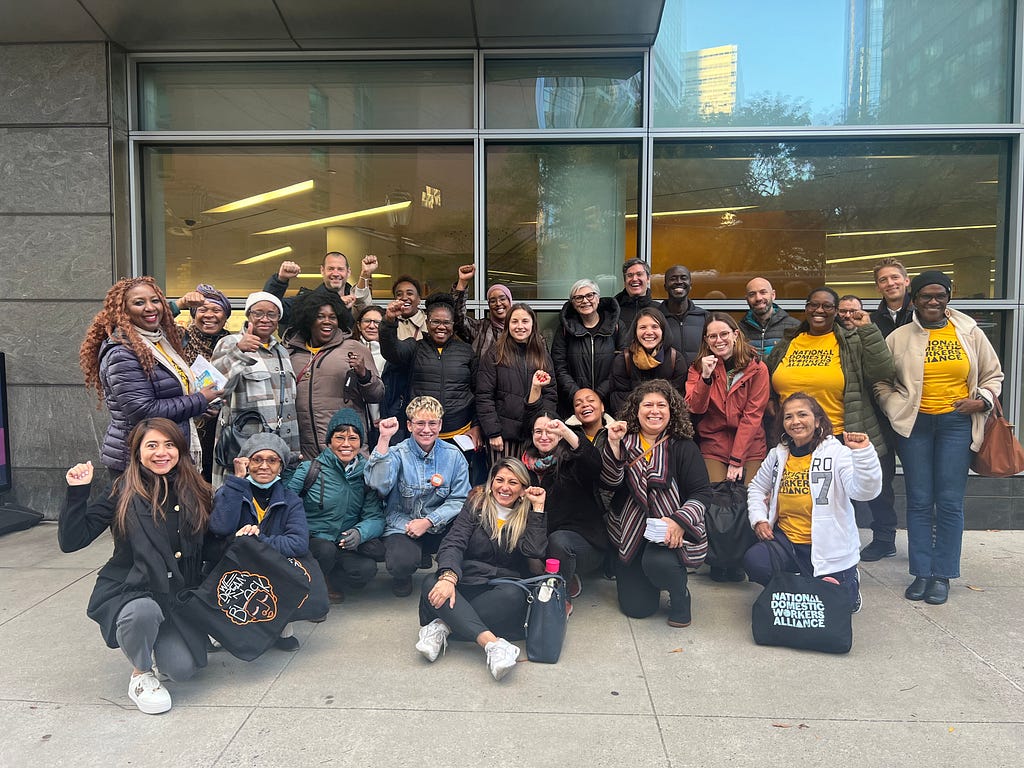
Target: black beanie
{"points": [[931, 277]]}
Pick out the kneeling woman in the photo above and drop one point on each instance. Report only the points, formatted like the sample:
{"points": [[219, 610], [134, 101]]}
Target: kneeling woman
{"points": [[501, 526], [157, 512], [255, 502], [800, 500], [652, 461]]}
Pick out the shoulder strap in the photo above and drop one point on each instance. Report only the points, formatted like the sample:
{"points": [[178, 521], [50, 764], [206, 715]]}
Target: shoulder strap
{"points": [[311, 476]]}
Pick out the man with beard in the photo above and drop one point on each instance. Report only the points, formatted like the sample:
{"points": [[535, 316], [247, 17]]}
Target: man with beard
{"points": [[766, 322], [685, 319], [636, 291]]}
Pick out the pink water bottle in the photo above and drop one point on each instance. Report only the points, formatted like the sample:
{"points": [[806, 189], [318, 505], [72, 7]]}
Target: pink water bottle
{"points": [[551, 565]]}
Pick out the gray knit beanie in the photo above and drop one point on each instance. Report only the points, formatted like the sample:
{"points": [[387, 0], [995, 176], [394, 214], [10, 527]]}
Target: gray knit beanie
{"points": [[265, 441]]}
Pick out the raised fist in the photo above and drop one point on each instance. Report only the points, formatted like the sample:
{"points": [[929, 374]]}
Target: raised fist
{"points": [[80, 474], [616, 431], [536, 496], [369, 266], [288, 270], [388, 427]]}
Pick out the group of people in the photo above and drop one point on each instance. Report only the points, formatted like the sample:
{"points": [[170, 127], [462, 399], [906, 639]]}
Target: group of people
{"points": [[414, 433]]}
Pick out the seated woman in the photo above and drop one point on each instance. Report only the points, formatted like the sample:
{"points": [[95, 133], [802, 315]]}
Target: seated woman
{"points": [[343, 514], [157, 512], [656, 469], [799, 502], [568, 467], [501, 526], [332, 370], [647, 357], [253, 502]]}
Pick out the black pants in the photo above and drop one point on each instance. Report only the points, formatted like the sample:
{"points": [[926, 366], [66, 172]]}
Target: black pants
{"points": [[654, 568], [478, 608], [342, 568], [574, 553], [402, 554]]}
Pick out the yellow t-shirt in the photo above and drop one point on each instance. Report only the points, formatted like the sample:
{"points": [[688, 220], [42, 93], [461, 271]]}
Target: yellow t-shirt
{"points": [[812, 365], [260, 511], [795, 499], [946, 368]]}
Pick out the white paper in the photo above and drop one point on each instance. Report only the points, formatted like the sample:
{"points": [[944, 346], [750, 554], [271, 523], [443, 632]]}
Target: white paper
{"points": [[655, 530], [206, 374], [465, 442]]}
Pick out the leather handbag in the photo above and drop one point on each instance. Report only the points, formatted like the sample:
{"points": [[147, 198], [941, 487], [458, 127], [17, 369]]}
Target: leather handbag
{"points": [[798, 611], [546, 618], [729, 532], [241, 426], [1001, 454], [248, 598]]}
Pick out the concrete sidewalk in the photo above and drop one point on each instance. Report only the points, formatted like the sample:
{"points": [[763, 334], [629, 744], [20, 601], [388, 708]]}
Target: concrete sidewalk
{"points": [[924, 685]]}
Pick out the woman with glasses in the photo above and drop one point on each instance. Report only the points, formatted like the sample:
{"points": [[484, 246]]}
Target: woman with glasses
{"points": [[585, 343], [835, 366], [441, 366], [260, 378], [367, 333], [332, 370], [481, 333], [948, 377]]}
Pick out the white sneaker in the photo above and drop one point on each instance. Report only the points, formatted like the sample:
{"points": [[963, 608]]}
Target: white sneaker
{"points": [[147, 693], [501, 657], [433, 639]]}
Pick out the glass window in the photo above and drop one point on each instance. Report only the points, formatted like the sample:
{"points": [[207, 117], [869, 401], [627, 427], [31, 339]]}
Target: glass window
{"points": [[564, 93], [560, 212], [804, 213], [230, 215], [832, 62], [306, 96]]}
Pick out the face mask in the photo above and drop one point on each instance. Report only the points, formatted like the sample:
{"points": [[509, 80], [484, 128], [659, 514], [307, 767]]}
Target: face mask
{"points": [[262, 485]]}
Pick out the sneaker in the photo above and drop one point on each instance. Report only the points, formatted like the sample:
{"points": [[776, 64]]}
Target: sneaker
{"points": [[858, 603], [148, 695], [290, 643], [401, 587], [433, 639], [876, 550], [501, 657], [575, 586]]}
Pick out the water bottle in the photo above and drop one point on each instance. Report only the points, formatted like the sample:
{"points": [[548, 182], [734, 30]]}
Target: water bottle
{"points": [[551, 565]]}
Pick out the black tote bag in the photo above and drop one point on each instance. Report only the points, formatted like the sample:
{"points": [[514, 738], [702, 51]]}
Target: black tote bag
{"points": [[545, 618], [797, 611], [318, 604], [248, 598], [729, 532]]}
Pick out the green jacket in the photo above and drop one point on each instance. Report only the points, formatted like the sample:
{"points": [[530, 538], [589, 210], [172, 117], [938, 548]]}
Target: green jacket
{"points": [[865, 359], [337, 502]]}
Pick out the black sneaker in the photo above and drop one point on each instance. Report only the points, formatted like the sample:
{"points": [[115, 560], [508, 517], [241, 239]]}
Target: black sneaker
{"points": [[402, 587], [876, 550], [290, 643]]}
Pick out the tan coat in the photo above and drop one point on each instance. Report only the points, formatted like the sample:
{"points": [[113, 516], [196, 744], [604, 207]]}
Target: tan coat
{"points": [[901, 397]]}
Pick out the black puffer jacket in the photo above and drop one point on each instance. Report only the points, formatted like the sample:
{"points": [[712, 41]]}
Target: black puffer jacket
{"points": [[133, 395], [448, 375], [502, 392], [573, 502], [583, 356], [685, 331]]}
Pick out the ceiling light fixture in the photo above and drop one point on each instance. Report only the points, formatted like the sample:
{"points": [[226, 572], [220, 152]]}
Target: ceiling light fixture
{"points": [[265, 256], [892, 254], [907, 231], [340, 217], [265, 197]]}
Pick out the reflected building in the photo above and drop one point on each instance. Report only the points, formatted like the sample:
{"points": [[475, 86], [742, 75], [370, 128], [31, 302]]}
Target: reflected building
{"points": [[711, 80]]}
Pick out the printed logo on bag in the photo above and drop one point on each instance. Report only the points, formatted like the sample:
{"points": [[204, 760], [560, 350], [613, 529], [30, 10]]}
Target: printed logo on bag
{"points": [[309, 578], [246, 598], [795, 609]]}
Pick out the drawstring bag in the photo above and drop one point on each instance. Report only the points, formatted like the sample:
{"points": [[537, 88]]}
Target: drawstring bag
{"points": [[545, 615]]}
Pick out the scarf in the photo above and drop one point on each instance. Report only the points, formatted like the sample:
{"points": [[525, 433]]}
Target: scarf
{"points": [[645, 361], [198, 343], [165, 354], [539, 464]]}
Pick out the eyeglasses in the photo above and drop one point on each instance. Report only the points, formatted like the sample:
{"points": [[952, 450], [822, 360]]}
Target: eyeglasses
{"points": [[717, 336], [273, 461], [370, 322], [927, 298], [259, 314], [439, 323], [584, 298], [825, 305], [432, 424], [848, 311]]}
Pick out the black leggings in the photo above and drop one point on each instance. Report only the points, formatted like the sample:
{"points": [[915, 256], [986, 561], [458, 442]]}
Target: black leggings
{"points": [[654, 568], [478, 608], [342, 568]]}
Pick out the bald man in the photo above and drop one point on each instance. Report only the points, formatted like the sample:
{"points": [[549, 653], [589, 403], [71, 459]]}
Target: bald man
{"points": [[766, 322]]}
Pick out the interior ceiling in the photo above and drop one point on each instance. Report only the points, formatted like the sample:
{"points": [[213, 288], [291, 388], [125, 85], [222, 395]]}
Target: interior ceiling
{"points": [[200, 25]]}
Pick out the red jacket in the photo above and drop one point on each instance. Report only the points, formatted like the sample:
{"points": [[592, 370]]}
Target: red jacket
{"points": [[730, 427]]}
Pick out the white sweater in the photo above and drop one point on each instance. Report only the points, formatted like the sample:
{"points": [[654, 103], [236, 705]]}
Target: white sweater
{"points": [[837, 476]]}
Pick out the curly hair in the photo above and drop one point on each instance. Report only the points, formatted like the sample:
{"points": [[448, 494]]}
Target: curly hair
{"points": [[679, 424], [440, 299], [113, 321], [307, 306]]}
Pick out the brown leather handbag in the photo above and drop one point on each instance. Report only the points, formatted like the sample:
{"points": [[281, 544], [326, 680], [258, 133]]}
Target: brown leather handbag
{"points": [[1001, 454]]}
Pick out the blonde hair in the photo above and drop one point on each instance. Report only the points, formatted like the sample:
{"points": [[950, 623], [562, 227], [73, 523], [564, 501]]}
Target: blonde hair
{"points": [[505, 536], [431, 405]]}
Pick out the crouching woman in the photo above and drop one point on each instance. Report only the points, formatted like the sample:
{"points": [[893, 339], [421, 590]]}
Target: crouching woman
{"points": [[500, 527], [158, 512]]}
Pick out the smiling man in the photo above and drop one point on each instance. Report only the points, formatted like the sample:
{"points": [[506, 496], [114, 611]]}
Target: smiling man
{"points": [[685, 319], [766, 322], [636, 291], [334, 270]]}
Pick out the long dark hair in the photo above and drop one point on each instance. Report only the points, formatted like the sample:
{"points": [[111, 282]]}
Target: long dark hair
{"points": [[194, 494], [823, 426], [679, 424], [536, 349], [742, 352], [655, 314]]}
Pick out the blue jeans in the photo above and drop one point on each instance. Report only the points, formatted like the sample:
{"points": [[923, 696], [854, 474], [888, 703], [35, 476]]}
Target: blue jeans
{"points": [[935, 459]]}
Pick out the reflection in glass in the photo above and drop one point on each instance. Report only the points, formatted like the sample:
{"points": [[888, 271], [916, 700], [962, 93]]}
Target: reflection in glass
{"points": [[559, 212], [306, 95], [411, 206], [804, 213], [832, 62], [564, 93]]}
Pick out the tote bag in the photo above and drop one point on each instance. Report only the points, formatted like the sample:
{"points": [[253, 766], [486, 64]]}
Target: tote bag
{"points": [[1001, 454], [729, 532], [798, 611], [248, 598], [545, 615]]}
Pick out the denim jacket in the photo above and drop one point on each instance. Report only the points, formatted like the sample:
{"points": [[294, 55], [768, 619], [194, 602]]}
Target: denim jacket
{"points": [[402, 476]]}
